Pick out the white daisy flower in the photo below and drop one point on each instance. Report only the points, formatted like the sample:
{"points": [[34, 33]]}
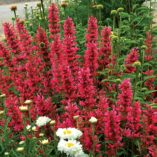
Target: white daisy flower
{"points": [[43, 120], [68, 133], [70, 147]]}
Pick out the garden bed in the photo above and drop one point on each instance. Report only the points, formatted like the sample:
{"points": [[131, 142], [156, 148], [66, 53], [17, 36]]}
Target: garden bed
{"points": [[78, 80]]}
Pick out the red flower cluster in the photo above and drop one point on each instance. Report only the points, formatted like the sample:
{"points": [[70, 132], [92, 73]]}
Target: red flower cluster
{"points": [[91, 54], [53, 17], [148, 42], [105, 48], [131, 58]]}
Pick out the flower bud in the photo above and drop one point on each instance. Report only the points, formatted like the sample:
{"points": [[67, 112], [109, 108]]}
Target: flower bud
{"points": [[1, 112], [99, 6], [21, 142], [137, 64], [114, 37], [39, 5], [2, 95], [41, 134], [52, 122], [6, 153], [143, 47], [76, 117], [93, 120], [64, 4], [28, 102], [113, 12], [20, 149], [13, 8], [44, 142], [118, 80], [34, 128], [28, 127], [23, 108], [120, 9]]}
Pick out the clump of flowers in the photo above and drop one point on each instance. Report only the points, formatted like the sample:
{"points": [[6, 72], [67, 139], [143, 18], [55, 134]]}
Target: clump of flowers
{"points": [[46, 81], [68, 143]]}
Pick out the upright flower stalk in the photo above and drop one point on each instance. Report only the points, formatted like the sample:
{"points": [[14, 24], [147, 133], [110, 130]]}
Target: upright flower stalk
{"points": [[91, 54], [53, 17], [148, 44], [105, 48], [70, 46], [131, 58]]}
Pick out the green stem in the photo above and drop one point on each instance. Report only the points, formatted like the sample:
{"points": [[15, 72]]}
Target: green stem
{"points": [[93, 140], [143, 54], [43, 11], [15, 14], [114, 22], [135, 84]]}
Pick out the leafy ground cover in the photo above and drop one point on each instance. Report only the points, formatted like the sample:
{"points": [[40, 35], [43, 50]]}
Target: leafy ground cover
{"points": [[79, 89]]}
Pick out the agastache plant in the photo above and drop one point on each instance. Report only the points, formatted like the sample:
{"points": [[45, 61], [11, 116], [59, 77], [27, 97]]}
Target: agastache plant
{"points": [[45, 86]]}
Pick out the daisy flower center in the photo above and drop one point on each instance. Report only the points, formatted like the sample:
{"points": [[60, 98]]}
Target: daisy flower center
{"points": [[69, 144], [67, 132]]}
